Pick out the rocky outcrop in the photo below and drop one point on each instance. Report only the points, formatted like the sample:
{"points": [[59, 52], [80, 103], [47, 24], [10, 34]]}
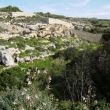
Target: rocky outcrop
{"points": [[82, 26], [13, 29], [54, 30], [7, 35], [4, 15], [6, 59], [6, 56], [38, 30]]}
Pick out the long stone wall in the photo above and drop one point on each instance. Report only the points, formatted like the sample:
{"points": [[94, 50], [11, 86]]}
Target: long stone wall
{"points": [[88, 36], [57, 21], [26, 14]]}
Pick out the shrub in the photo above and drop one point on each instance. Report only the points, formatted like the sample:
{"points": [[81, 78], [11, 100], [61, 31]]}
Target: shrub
{"points": [[65, 105], [81, 106], [28, 100], [103, 105], [10, 9], [11, 78], [106, 37]]}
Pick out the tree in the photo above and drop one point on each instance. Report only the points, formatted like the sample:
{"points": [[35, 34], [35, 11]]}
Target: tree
{"points": [[10, 9]]}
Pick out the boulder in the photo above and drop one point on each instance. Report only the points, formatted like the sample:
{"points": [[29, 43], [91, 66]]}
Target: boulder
{"points": [[6, 58], [27, 59]]}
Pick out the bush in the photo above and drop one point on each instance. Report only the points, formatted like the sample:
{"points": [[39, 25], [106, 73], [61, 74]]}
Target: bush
{"points": [[81, 106], [103, 105], [106, 37], [11, 78], [65, 105], [30, 100], [10, 9]]}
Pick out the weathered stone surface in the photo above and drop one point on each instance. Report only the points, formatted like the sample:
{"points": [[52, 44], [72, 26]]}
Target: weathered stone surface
{"points": [[6, 59], [54, 30], [57, 21], [17, 14], [27, 59], [6, 56]]}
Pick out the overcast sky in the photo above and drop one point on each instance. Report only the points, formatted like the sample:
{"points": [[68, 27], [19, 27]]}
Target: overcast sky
{"points": [[74, 8]]}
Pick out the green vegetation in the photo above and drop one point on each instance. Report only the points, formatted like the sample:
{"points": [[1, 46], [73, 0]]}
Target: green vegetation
{"points": [[21, 42], [41, 64], [100, 25], [71, 79], [31, 20], [3, 42], [49, 15], [11, 78], [100, 22], [10, 9], [76, 75], [32, 99]]}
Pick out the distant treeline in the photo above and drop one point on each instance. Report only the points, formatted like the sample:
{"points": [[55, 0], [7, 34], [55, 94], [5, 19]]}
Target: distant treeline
{"points": [[51, 15], [10, 9]]}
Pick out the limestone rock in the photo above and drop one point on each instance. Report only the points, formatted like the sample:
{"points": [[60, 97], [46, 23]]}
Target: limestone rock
{"points": [[57, 21], [6, 58], [27, 59]]}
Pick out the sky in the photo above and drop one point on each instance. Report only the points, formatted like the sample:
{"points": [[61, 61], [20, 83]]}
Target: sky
{"points": [[73, 8]]}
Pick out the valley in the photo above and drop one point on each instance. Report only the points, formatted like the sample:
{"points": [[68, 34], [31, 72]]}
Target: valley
{"points": [[53, 62]]}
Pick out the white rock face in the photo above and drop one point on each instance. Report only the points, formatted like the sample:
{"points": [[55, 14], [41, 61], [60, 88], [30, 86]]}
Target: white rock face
{"points": [[26, 14], [12, 51], [27, 59], [57, 21], [6, 59], [6, 56]]}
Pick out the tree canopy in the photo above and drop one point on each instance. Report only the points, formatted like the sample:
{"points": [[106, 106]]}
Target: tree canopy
{"points": [[10, 9]]}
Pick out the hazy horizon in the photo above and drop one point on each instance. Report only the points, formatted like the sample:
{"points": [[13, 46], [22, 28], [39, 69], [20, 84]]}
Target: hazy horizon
{"points": [[73, 8]]}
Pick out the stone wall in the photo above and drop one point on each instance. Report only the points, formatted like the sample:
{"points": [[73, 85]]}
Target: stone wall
{"points": [[26, 14], [57, 21]]}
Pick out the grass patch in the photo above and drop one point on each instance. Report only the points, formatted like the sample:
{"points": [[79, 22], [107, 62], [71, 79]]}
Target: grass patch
{"points": [[41, 64]]}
